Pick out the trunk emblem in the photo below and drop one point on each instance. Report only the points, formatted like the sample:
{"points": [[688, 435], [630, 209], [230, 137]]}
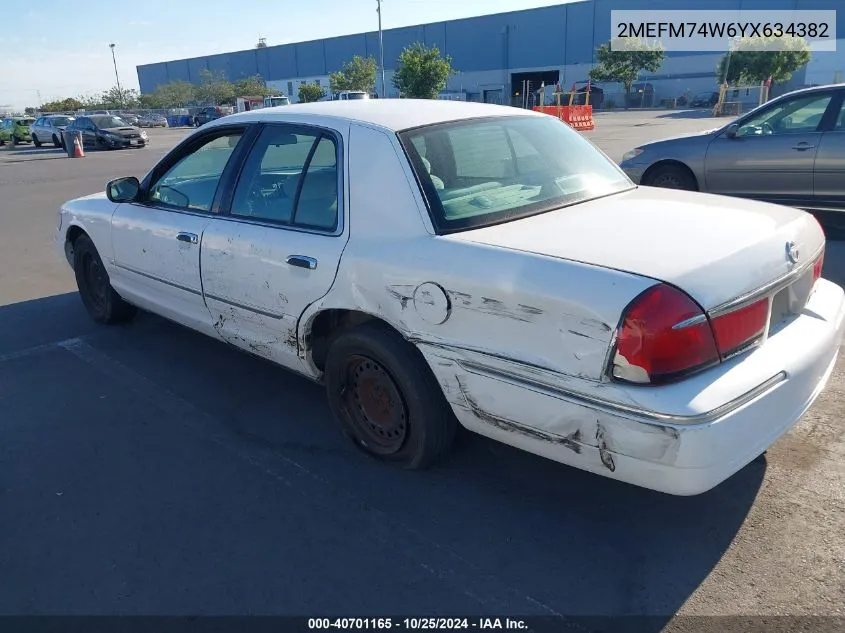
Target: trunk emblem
{"points": [[792, 252]]}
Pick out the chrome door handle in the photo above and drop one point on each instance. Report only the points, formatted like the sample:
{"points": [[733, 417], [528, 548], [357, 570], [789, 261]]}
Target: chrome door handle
{"points": [[301, 261], [801, 147], [190, 238]]}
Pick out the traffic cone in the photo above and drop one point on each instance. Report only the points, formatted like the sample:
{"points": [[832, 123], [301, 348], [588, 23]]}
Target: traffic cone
{"points": [[77, 148]]}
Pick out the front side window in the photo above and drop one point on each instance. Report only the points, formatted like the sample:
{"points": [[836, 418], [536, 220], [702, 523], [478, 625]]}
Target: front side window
{"points": [[192, 182], [290, 178], [486, 171], [793, 116]]}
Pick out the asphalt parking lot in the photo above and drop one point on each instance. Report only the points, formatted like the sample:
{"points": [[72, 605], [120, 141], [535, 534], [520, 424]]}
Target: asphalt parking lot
{"points": [[149, 470]]}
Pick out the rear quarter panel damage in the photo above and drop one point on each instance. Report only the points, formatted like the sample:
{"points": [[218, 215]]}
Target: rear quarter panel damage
{"points": [[509, 318]]}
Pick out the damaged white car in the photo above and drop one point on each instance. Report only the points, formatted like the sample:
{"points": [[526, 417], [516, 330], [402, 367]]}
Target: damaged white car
{"points": [[437, 263]]}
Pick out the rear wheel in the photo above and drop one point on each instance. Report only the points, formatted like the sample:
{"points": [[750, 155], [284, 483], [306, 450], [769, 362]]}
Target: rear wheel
{"points": [[671, 177], [386, 398], [100, 299]]}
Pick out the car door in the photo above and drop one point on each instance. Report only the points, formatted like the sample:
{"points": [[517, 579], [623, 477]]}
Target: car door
{"points": [[829, 174], [86, 127], [156, 241], [278, 247], [773, 154]]}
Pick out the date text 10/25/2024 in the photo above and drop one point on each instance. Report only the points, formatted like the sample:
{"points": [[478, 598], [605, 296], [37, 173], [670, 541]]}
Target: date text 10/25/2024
{"points": [[416, 624]]}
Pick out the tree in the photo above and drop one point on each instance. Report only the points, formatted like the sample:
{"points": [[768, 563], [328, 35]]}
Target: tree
{"points": [[422, 73], [262, 42], [172, 94], [755, 60], [62, 105], [310, 92], [91, 102], [624, 66], [254, 86], [115, 97], [214, 88], [359, 73]]}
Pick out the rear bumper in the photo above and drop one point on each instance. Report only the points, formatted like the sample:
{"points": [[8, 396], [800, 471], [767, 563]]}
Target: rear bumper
{"points": [[670, 451]]}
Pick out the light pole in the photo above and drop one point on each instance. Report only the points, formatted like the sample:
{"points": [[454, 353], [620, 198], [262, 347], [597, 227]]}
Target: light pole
{"points": [[380, 46], [116, 76]]}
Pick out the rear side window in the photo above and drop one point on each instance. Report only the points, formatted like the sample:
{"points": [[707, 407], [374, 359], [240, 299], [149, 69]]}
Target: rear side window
{"points": [[290, 178], [481, 172]]}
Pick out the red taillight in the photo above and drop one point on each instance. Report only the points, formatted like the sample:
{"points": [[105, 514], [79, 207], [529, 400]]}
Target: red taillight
{"points": [[817, 267], [738, 329], [663, 336]]}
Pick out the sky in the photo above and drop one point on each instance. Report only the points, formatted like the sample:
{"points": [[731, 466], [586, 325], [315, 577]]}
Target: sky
{"points": [[56, 50]]}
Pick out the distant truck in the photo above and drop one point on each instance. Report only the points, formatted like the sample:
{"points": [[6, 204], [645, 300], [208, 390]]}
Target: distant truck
{"points": [[246, 104], [346, 95]]}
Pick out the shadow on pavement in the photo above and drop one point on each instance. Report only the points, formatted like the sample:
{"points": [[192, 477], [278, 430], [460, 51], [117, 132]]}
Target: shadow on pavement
{"points": [[162, 472], [697, 113]]}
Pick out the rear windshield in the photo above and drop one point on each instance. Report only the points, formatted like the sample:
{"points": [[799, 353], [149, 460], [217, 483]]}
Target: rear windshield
{"points": [[60, 120], [481, 172], [26, 121], [105, 122], [356, 95]]}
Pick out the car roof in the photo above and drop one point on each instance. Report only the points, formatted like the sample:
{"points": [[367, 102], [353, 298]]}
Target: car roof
{"points": [[392, 114]]}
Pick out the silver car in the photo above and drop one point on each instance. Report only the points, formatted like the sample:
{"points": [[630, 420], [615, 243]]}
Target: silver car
{"points": [[48, 129], [789, 151]]}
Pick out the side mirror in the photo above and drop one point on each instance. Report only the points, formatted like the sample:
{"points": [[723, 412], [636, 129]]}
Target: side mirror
{"points": [[123, 189], [731, 130]]}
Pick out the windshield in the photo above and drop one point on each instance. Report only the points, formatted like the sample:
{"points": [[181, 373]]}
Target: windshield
{"points": [[106, 122], [486, 171], [60, 120], [356, 95], [26, 121], [277, 101]]}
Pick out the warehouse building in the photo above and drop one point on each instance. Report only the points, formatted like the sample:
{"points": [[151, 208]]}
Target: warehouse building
{"points": [[500, 56]]}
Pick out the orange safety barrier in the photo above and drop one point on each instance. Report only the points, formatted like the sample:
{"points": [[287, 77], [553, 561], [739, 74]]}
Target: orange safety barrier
{"points": [[579, 117]]}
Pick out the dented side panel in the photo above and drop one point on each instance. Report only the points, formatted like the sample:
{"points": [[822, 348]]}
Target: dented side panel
{"points": [[254, 295]]}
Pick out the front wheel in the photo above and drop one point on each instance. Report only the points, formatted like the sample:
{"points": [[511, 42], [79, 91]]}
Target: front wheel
{"points": [[386, 398], [672, 177], [56, 141], [35, 141], [100, 299]]}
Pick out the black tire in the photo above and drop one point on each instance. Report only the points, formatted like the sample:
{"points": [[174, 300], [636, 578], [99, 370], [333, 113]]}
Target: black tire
{"points": [[102, 302], [56, 141], [371, 371], [35, 141], [671, 177], [15, 140]]}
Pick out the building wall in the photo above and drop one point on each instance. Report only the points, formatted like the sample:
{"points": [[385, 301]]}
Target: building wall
{"points": [[487, 49]]}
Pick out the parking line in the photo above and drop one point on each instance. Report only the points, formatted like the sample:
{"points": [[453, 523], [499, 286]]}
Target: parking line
{"points": [[490, 590], [38, 349]]}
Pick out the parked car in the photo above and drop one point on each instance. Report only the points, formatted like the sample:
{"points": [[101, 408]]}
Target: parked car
{"points": [[790, 150], [706, 99], [152, 120], [208, 114], [131, 119], [48, 128], [16, 130], [502, 274], [108, 132]]}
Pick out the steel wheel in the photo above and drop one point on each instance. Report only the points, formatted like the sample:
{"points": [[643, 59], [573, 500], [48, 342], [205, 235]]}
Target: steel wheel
{"points": [[97, 282], [375, 406]]}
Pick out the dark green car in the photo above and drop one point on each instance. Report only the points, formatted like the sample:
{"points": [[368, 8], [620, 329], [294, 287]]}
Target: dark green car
{"points": [[16, 130]]}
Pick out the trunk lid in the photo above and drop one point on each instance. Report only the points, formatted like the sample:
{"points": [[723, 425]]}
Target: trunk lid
{"points": [[715, 248]]}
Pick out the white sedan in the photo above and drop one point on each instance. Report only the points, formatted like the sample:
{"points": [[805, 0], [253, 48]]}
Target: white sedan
{"points": [[436, 263]]}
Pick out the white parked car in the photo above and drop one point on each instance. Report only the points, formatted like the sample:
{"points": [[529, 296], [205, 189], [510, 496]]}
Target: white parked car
{"points": [[437, 263]]}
